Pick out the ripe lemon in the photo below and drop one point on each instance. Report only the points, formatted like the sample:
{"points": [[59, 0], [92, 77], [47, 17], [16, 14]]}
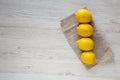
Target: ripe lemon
{"points": [[88, 57], [83, 15], [85, 30], [85, 44]]}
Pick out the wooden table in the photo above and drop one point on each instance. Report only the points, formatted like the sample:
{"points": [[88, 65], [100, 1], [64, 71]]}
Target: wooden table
{"points": [[33, 47]]}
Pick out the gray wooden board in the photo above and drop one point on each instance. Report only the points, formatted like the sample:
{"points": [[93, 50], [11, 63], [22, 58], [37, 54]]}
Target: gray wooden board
{"points": [[33, 46]]}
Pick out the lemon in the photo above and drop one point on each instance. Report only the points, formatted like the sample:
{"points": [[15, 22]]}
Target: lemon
{"points": [[83, 15], [85, 44], [85, 30], [88, 57]]}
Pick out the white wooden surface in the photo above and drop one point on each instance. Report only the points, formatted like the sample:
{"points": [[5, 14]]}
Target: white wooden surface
{"points": [[33, 47]]}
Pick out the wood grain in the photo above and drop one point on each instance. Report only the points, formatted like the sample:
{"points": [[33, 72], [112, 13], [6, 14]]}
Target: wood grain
{"points": [[33, 47]]}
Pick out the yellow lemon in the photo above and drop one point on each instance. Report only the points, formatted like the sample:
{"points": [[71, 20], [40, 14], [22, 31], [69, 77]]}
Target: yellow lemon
{"points": [[85, 44], [85, 30], [83, 15], [88, 57]]}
